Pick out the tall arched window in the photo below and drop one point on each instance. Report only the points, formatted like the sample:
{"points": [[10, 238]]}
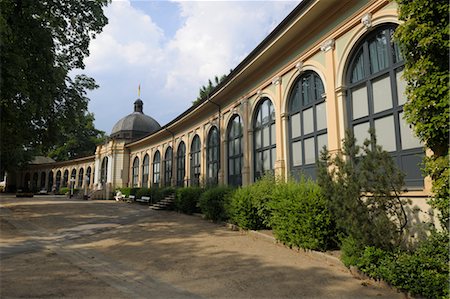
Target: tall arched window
{"points": [[135, 172], [375, 98], [65, 178], [58, 180], [88, 175], [181, 164], [264, 138], [80, 177], [43, 178], [235, 151], [104, 171], [213, 156], [195, 161], [73, 178], [50, 181], [145, 171], [307, 123], [168, 167], [156, 169]]}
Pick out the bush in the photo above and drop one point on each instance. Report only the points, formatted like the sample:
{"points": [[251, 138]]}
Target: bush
{"points": [[186, 199], [143, 192], [64, 190], [213, 203], [300, 216], [249, 207], [424, 271]]}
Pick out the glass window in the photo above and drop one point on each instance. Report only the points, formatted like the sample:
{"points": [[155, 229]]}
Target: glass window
{"points": [[235, 154], [104, 171], [156, 169], [181, 164], [135, 172], [376, 97], [264, 137], [145, 171], [195, 161], [80, 177], [213, 153], [168, 167], [305, 145]]}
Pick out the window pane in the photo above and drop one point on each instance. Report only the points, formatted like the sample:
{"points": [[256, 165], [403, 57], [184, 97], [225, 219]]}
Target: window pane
{"points": [[401, 88], [359, 103], [295, 125], [385, 132], [258, 139], [407, 135], [237, 166], [258, 162], [321, 113], [382, 97], [361, 132], [310, 155], [236, 146], [266, 137], [272, 134], [273, 157], [308, 121], [297, 153], [358, 68], [322, 140], [306, 96], [231, 166], [378, 53], [266, 160]]}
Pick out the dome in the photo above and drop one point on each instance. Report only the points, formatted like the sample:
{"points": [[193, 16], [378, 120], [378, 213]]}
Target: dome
{"points": [[135, 125]]}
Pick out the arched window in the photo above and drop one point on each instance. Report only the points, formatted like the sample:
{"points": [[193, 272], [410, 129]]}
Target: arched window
{"points": [[307, 123], [104, 171], [168, 167], [145, 171], [156, 169], [264, 138], [88, 175], [80, 177], [195, 161], [65, 178], [34, 184], [58, 180], [181, 164], [375, 98], [50, 182], [135, 172], [235, 151], [73, 178], [43, 178], [213, 156]]}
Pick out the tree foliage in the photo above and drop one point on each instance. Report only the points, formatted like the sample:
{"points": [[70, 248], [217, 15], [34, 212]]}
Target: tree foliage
{"points": [[424, 42], [205, 90], [40, 105], [363, 192]]}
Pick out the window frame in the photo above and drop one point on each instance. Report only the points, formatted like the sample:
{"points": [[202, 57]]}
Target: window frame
{"points": [[156, 169], [181, 164], [213, 150], [235, 179], [168, 156], [195, 155]]}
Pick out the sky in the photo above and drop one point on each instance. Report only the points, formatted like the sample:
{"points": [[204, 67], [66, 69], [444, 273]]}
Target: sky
{"points": [[171, 49]]}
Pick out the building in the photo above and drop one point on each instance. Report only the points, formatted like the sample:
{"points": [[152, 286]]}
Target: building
{"points": [[329, 66]]}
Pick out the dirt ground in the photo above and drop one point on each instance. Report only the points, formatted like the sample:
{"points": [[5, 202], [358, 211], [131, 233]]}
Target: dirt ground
{"points": [[53, 247]]}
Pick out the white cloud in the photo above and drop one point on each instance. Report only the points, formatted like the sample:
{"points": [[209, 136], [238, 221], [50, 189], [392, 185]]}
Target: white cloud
{"points": [[132, 49]]}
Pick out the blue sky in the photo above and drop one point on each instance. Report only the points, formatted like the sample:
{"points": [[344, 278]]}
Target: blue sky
{"points": [[171, 48]]}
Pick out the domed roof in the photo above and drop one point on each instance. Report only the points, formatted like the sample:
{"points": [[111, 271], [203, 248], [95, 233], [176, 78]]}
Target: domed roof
{"points": [[135, 125]]}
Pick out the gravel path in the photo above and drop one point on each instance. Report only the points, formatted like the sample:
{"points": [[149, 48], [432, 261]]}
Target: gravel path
{"points": [[53, 247]]}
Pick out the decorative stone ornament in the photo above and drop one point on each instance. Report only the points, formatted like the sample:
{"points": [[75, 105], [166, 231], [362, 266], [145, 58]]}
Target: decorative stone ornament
{"points": [[299, 66], [366, 20], [276, 80], [327, 45]]}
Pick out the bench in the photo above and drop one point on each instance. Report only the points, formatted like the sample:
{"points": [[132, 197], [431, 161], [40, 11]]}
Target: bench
{"points": [[145, 199], [131, 198]]}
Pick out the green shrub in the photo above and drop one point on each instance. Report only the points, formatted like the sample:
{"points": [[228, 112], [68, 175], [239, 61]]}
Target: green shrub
{"points": [[143, 192], [64, 190], [300, 217], [424, 271], [249, 206], [213, 203], [186, 199]]}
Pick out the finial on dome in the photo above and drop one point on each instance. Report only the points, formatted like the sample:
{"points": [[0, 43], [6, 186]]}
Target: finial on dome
{"points": [[138, 106]]}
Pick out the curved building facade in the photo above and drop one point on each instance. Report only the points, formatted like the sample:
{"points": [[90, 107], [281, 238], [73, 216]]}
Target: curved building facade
{"points": [[328, 67]]}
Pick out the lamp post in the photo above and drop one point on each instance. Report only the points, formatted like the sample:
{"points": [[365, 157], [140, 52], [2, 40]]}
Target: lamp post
{"points": [[72, 183]]}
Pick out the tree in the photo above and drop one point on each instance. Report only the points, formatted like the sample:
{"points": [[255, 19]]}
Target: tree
{"points": [[424, 42], [363, 193], [205, 90], [41, 41]]}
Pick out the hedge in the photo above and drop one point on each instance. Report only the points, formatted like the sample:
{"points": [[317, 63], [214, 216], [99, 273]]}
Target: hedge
{"points": [[214, 202]]}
